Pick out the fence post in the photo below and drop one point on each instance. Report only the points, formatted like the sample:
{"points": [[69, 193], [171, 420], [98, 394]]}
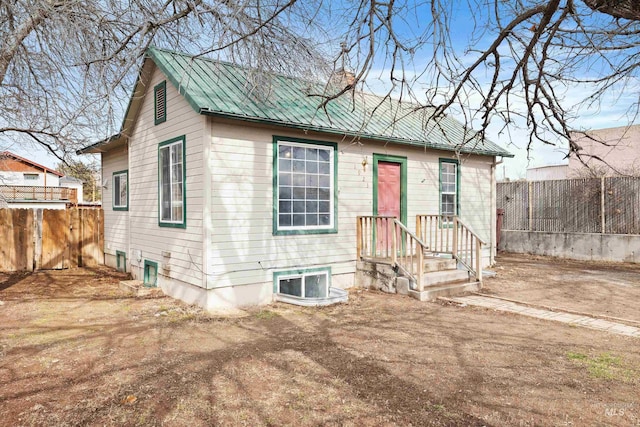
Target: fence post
{"points": [[478, 260], [358, 238], [454, 243], [394, 248], [530, 206], [602, 220]]}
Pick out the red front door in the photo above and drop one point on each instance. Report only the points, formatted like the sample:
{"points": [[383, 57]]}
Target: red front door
{"points": [[388, 202]]}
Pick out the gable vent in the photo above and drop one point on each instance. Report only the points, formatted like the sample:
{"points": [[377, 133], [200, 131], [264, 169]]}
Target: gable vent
{"points": [[160, 93]]}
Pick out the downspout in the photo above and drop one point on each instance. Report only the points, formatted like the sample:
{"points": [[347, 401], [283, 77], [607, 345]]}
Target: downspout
{"points": [[492, 235], [207, 143]]}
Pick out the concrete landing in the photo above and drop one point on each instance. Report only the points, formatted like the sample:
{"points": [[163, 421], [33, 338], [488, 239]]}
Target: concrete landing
{"points": [[554, 315], [432, 293], [137, 288]]}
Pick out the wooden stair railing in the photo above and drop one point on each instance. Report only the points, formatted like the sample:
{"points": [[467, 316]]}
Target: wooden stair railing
{"points": [[386, 239], [448, 234]]}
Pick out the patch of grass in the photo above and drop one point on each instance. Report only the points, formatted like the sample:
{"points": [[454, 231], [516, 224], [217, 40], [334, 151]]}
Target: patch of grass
{"points": [[181, 317], [439, 407], [265, 314], [603, 366], [576, 356]]}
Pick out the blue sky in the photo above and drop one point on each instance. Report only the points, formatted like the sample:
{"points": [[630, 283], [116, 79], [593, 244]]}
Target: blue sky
{"points": [[610, 113]]}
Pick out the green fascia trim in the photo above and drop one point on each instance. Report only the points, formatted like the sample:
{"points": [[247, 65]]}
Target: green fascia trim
{"points": [[276, 231], [124, 260], [403, 182], [182, 224], [120, 208], [147, 283], [457, 163], [160, 86], [299, 272]]}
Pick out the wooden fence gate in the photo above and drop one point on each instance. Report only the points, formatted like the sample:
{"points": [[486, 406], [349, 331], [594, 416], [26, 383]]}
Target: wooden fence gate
{"points": [[45, 239]]}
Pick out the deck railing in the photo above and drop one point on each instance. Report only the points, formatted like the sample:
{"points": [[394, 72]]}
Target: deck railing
{"points": [[30, 193], [448, 234], [385, 239]]}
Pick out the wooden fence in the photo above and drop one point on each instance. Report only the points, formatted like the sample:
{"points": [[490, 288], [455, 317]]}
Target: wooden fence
{"points": [[46, 239], [608, 205]]}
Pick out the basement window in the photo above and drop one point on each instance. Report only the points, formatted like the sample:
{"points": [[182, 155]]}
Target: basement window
{"points": [[160, 102], [150, 273], [309, 284], [121, 261]]}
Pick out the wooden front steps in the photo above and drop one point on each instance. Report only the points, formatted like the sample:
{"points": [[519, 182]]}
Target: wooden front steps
{"points": [[431, 293], [441, 278]]}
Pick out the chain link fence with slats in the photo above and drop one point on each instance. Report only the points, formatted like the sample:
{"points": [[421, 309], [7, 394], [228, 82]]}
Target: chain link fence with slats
{"points": [[596, 205]]}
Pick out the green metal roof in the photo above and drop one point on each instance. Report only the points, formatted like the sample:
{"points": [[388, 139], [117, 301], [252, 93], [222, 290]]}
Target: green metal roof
{"points": [[226, 90]]}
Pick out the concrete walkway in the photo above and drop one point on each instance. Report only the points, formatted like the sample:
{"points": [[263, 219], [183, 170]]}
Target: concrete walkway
{"points": [[557, 316]]}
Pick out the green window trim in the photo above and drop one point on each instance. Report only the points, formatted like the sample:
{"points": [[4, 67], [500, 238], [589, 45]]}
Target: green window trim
{"points": [[333, 227], [300, 272], [118, 188], [167, 222], [440, 185], [160, 103], [403, 182], [120, 255], [150, 279]]}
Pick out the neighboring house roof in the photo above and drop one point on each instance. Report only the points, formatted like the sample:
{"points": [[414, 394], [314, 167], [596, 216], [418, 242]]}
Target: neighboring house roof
{"points": [[225, 90], [9, 155]]}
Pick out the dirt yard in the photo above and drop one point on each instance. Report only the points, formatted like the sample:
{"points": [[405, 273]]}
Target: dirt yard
{"points": [[599, 288], [74, 350]]}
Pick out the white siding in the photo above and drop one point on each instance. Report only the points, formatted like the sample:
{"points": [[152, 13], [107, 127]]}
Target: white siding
{"points": [[17, 178], [116, 223], [178, 251], [477, 200], [245, 251]]}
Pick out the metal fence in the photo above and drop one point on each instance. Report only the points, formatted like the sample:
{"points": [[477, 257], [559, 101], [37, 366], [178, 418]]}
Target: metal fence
{"points": [[596, 205]]}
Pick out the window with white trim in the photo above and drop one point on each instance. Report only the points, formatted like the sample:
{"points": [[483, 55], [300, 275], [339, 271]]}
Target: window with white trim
{"points": [[304, 188], [448, 188], [172, 183], [31, 176], [120, 190], [307, 285]]}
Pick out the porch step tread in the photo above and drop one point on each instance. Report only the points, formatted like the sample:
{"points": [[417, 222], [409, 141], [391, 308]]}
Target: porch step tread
{"points": [[443, 277], [433, 292], [439, 264]]}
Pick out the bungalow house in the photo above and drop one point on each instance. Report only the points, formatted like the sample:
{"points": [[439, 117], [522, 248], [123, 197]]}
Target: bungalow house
{"points": [[227, 195]]}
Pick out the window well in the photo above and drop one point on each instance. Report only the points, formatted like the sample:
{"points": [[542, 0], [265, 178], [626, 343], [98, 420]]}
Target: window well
{"points": [[307, 288]]}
